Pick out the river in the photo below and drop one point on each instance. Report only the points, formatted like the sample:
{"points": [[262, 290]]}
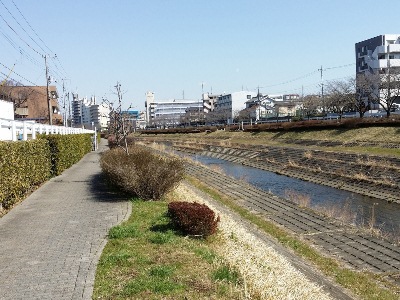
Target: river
{"points": [[354, 208]]}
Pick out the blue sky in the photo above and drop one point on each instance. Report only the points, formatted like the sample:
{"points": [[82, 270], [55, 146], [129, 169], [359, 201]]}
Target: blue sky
{"points": [[175, 47]]}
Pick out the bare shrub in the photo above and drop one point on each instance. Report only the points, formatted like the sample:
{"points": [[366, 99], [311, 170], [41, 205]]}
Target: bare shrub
{"points": [[142, 173], [341, 212], [360, 176], [193, 218], [308, 154], [293, 164], [301, 200]]}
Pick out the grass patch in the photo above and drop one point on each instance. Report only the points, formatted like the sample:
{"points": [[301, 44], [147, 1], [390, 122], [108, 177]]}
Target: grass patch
{"points": [[146, 259], [224, 273], [364, 284]]}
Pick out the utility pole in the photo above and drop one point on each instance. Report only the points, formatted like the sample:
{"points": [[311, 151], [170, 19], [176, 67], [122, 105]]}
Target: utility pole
{"points": [[69, 111], [47, 91], [65, 113], [322, 91]]}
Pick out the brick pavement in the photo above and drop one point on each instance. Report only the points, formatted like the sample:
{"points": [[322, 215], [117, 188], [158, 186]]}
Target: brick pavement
{"points": [[51, 242]]}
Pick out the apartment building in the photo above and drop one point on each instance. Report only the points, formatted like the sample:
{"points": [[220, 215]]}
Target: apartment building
{"points": [[88, 114], [229, 105], [378, 55], [168, 112], [31, 103]]}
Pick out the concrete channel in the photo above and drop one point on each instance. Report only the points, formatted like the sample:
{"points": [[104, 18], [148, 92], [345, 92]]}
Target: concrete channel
{"points": [[356, 250], [372, 176]]}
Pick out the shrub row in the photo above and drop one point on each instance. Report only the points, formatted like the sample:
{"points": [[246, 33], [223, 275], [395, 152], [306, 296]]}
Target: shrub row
{"points": [[193, 218], [142, 173], [26, 164], [23, 165], [67, 150]]}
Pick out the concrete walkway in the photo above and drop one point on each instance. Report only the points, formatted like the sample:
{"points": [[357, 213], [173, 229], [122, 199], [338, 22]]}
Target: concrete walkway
{"points": [[51, 242]]}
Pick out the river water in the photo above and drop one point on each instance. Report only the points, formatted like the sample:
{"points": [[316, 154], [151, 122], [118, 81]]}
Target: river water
{"points": [[354, 208]]}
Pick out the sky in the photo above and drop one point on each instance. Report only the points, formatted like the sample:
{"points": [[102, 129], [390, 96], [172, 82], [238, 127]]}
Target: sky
{"points": [[181, 48]]}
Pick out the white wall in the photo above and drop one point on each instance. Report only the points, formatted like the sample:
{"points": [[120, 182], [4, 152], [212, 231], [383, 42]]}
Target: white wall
{"points": [[239, 99], [6, 112]]}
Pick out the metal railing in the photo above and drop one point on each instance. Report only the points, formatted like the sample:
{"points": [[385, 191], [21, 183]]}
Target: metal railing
{"points": [[13, 130]]}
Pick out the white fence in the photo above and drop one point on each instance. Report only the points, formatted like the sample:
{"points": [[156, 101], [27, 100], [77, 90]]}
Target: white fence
{"points": [[11, 130]]}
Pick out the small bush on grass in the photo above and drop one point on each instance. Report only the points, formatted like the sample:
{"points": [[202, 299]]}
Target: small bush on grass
{"points": [[193, 218], [142, 173]]}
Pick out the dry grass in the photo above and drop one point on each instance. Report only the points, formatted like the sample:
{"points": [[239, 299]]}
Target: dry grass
{"points": [[342, 213], [308, 154], [302, 200], [266, 274], [360, 176], [293, 164]]}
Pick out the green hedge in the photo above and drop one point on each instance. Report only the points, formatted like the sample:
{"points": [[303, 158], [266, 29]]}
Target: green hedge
{"points": [[26, 164], [67, 150], [23, 165]]}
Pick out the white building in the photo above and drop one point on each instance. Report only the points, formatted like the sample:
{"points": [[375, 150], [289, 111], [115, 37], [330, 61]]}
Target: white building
{"points": [[377, 54], [168, 112], [100, 116], [86, 113], [228, 105]]}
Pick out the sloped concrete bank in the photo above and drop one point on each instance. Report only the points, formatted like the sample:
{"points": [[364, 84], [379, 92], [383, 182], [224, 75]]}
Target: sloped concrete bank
{"points": [[368, 175], [357, 250]]}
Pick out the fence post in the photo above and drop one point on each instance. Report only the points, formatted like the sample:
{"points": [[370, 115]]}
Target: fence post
{"points": [[33, 132], [24, 131], [13, 131]]}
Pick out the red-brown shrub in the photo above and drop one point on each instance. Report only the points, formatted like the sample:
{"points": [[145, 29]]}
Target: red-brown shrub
{"points": [[193, 218]]}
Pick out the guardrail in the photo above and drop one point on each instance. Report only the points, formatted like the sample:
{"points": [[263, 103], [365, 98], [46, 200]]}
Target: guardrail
{"points": [[13, 130]]}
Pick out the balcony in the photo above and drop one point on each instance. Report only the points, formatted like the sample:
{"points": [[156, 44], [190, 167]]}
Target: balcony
{"points": [[394, 48]]}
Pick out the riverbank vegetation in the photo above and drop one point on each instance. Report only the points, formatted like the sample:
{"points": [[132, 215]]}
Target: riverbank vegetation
{"points": [[372, 140], [146, 258], [364, 284]]}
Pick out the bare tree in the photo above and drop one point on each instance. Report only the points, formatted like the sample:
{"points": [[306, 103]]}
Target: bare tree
{"points": [[341, 96], [362, 99], [310, 106], [381, 88], [118, 122]]}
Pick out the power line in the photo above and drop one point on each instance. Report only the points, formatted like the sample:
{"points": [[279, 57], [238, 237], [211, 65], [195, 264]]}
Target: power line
{"points": [[21, 26], [31, 26], [18, 74], [19, 35]]}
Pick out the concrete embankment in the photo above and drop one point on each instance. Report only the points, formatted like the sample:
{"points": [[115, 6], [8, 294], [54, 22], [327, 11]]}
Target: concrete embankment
{"points": [[369, 175]]}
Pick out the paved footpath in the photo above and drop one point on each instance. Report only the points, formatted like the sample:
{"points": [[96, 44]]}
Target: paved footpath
{"points": [[51, 242]]}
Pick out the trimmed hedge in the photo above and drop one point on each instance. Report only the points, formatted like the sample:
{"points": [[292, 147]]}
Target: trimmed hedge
{"points": [[193, 218], [67, 150], [23, 165]]}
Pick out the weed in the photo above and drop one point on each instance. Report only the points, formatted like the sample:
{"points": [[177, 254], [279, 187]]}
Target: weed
{"points": [[161, 237], [161, 271], [360, 176], [301, 200], [117, 259], [308, 154], [206, 254], [226, 273], [123, 231]]}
